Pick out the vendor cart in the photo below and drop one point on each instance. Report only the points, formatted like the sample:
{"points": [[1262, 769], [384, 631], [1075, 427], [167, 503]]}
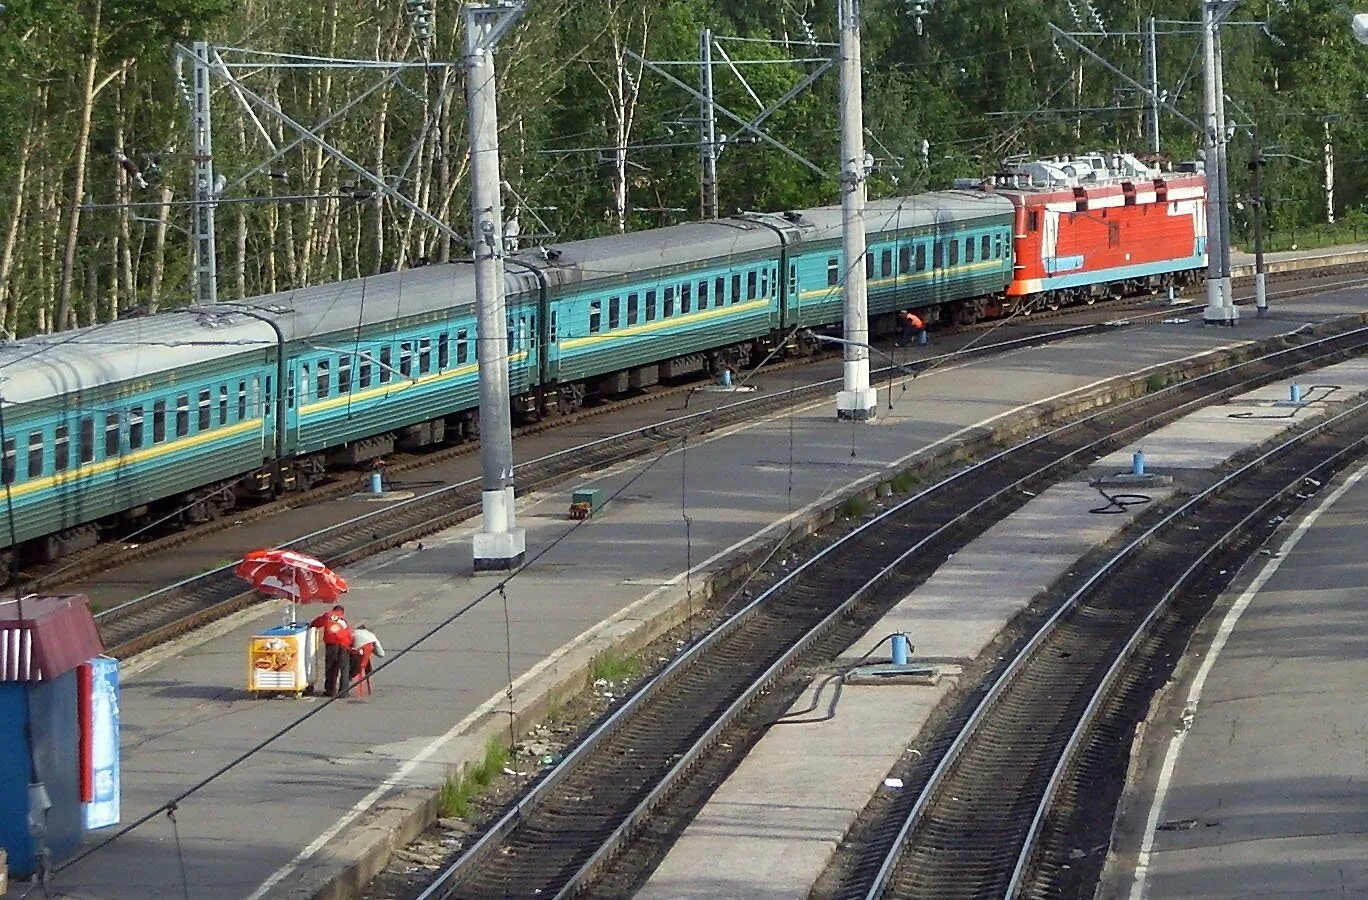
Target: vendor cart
{"points": [[283, 659]]}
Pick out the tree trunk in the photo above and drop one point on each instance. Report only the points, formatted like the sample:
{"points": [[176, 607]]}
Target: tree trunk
{"points": [[84, 115]]}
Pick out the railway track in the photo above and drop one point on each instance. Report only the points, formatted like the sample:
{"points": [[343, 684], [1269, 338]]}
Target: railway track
{"points": [[154, 618], [998, 811], [119, 553], [703, 711]]}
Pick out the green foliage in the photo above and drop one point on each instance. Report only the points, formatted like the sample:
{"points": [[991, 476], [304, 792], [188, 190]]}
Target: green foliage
{"points": [[1155, 383], [459, 789], [615, 667], [854, 507], [585, 127]]}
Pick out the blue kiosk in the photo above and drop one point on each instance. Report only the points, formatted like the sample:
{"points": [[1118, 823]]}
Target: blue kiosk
{"points": [[58, 701]]}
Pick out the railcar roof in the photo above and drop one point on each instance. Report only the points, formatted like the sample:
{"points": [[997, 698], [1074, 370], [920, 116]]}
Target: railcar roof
{"points": [[623, 254], [48, 366]]}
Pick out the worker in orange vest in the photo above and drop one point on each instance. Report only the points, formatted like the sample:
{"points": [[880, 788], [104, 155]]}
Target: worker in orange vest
{"points": [[337, 645], [910, 324]]}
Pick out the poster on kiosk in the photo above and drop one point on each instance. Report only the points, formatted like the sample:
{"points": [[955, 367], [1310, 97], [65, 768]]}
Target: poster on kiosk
{"points": [[102, 809]]}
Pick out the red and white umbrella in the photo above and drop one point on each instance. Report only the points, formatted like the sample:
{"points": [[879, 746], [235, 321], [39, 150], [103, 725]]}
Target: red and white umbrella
{"points": [[296, 577]]}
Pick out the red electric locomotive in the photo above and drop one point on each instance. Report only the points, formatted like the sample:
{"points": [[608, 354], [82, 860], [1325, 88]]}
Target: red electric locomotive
{"points": [[1098, 226]]}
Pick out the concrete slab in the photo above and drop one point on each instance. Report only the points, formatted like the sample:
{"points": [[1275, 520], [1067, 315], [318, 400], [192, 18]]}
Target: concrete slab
{"points": [[1209, 437], [336, 785], [770, 830], [1262, 791]]}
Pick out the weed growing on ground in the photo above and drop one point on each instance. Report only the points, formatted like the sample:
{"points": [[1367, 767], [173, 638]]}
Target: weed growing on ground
{"points": [[903, 482], [854, 507], [458, 789], [612, 666], [1155, 382]]}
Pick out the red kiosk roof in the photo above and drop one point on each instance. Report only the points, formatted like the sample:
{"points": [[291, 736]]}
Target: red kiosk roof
{"points": [[52, 636]]}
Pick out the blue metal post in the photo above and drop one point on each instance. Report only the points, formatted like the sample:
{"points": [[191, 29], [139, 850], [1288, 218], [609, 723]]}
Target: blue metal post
{"points": [[375, 486], [900, 649], [1296, 392], [726, 378], [921, 337], [1138, 462]]}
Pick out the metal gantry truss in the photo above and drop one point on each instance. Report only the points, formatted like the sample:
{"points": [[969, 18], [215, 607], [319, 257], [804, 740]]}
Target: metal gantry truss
{"points": [[235, 69], [713, 54]]}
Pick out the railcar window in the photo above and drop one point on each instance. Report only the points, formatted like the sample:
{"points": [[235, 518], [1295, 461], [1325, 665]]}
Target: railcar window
{"points": [[886, 263], [833, 271], [463, 342], [425, 355], [182, 415], [750, 286], [669, 302], [159, 422], [303, 385], [135, 428], [268, 398], [633, 308], [552, 336], [736, 288], [685, 297], [88, 439], [983, 247], [650, 306], [205, 417], [363, 371], [969, 250], [614, 312], [702, 295], [954, 253], [904, 260], [111, 435], [242, 401], [595, 316], [7, 469], [719, 291], [386, 368], [938, 255], [869, 264], [35, 454], [344, 374], [406, 359], [61, 449], [324, 378], [765, 283], [1033, 220], [443, 351], [223, 404]]}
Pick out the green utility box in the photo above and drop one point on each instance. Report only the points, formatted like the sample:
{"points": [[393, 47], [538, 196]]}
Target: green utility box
{"points": [[586, 502]]}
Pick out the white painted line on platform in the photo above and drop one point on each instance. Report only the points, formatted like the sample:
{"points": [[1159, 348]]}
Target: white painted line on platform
{"points": [[1218, 643]]}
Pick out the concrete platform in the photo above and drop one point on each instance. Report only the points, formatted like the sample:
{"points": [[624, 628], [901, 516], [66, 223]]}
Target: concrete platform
{"points": [[322, 805], [1252, 776], [770, 830], [1242, 263]]}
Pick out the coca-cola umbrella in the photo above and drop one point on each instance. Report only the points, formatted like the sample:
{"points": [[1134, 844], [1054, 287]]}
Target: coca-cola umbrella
{"points": [[291, 575]]}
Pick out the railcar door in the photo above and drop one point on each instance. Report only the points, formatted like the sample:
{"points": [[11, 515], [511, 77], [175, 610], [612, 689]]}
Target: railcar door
{"points": [[292, 399]]}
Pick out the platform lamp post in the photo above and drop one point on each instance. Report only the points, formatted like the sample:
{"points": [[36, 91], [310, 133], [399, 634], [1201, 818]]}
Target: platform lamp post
{"points": [[857, 401], [500, 545]]}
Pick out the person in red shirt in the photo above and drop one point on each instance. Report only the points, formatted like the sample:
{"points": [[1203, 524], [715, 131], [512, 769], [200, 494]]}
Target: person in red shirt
{"points": [[910, 327], [337, 641]]}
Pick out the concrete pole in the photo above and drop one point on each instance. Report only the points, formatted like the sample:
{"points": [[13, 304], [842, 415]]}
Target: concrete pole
{"points": [[1152, 68], [709, 119], [857, 401], [1260, 277], [203, 247], [1217, 311], [500, 545], [1223, 160]]}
